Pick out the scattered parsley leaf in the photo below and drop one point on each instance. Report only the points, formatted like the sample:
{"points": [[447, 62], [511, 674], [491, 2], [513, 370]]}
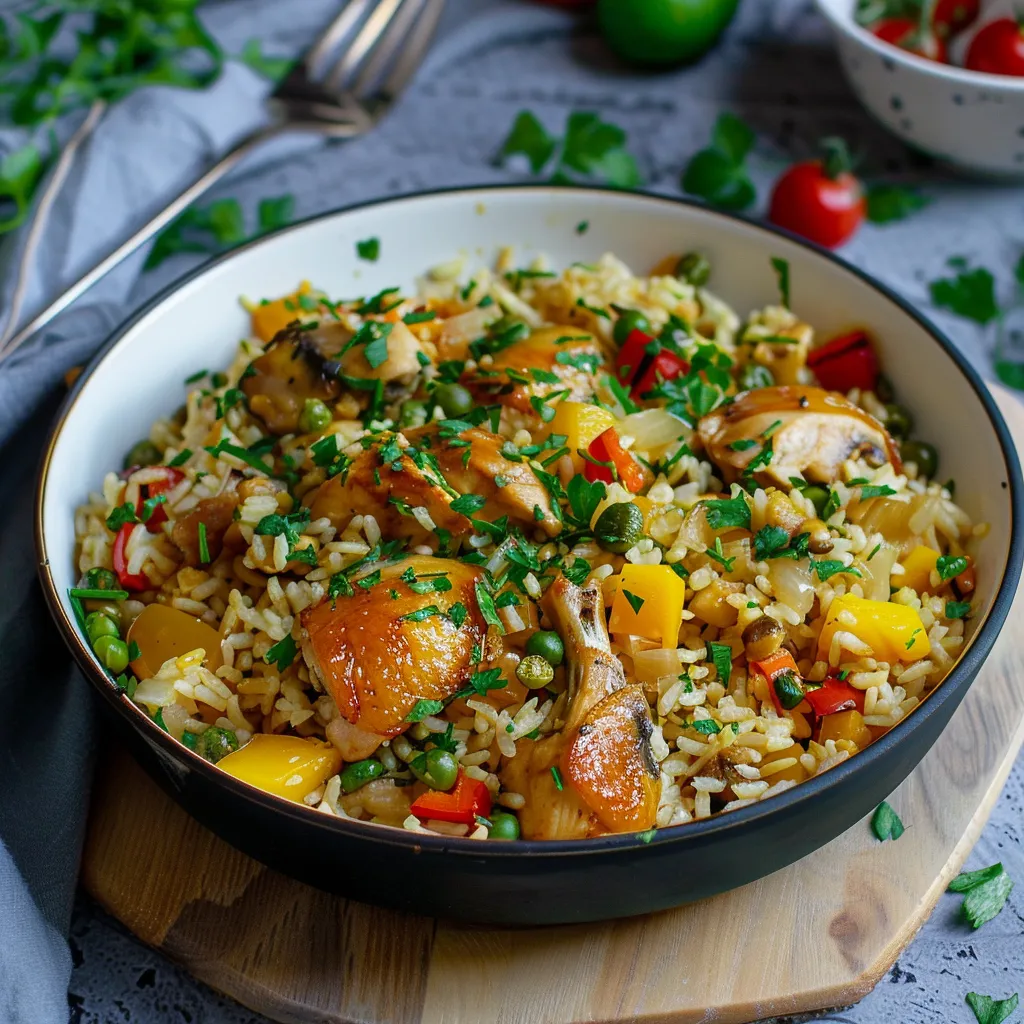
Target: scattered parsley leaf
{"points": [[368, 249], [890, 203], [282, 653], [781, 268], [273, 68], [991, 1011], [987, 891], [885, 823], [529, 138], [719, 173], [970, 294]]}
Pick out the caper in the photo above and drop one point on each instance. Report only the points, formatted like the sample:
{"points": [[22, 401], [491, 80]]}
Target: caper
{"points": [[112, 651], [144, 453], [547, 645], [898, 420], [503, 826], [454, 399], [315, 416], [216, 743], [437, 768], [357, 775], [693, 268], [413, 413], [762, 637], [100, 579], [534, 672], [97, 624], [619, 527], [756, 376], [923, 455], [817, 496], [629, 321]]}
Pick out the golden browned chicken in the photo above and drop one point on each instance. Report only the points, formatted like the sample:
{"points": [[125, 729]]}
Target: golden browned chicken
{"points": [[524, 370], [388, 479], [812, 432], [377, 654], [216, 514], [602, 754], [300, 364]]}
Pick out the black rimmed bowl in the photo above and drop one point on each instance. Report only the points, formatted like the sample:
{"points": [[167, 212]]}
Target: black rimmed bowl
{"points": [[197, 323]]}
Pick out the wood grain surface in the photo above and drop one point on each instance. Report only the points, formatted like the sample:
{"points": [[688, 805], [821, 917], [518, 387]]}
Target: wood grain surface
{"points": [[819, 933]]}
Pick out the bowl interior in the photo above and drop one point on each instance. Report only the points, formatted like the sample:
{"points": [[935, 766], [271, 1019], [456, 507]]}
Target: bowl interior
{"points": [[196, 326]]}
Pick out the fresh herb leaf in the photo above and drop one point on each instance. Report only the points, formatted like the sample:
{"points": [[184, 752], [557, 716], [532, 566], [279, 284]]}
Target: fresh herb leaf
{"points": [[204, 547], [557, 776], [950, 566], [770, 542], [885, 823], [282, 653], [635, 602], [719, 173], [273, 68], [889, 203], [584, 497], [781, 268], [970, 293], [707, 726], [721, 657], [991, 1011], [368, 249], [423, 709], [826, 568], [487, 609], [875, 491], [422, 614], [957, 609], [726, 513], [467, 504], [529, 138], [987, 891], [788, 690], [119, 516]]}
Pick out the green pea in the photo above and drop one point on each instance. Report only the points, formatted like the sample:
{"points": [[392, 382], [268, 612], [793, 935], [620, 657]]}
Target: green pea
{"points": [[454, 399], [97, 624], [756, 376], [619, 527], [216, 743], [145, 453], [924, 455], [100, 579], [503, 826], [693, 268], [547, 645], [112, 651], [898, 420], [817, 496], [413, 413], [357, 775], [315, 416], [438, 769], [534, 672], [629, 321]]}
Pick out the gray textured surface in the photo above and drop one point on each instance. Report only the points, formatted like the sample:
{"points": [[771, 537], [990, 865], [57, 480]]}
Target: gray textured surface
{"points": [[777, 70]]}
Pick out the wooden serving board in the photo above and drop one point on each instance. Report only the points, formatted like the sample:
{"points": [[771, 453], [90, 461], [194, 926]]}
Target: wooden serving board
{"points": [[835, 921]]}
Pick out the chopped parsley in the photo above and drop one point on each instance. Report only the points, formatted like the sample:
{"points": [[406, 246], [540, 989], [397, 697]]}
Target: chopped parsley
{"points": [[707, 726], [875, 491], [282, 653], [557, 776], [636, 603], [724, 513], [826, 568], [423, 709], [950, 566], [120, 516], [721, 657], [970, 293], [467, 504], [781, 268], [204, 547], [181, 458], [718, 555], [368, 249], [957, 609]]}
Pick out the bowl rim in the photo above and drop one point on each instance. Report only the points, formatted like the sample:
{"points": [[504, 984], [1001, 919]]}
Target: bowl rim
{"points": [[807, 792], [846, 24]]}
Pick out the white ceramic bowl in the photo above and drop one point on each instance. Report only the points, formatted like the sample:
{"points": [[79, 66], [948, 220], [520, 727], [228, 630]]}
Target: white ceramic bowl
{"points": [[197, 323], [971, 120]]}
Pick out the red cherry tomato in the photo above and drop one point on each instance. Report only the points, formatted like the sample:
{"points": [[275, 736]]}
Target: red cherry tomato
{"points": [[908, 35], [952, 16], [844, 363], [820, 199], [998, 48], [134, 582]]}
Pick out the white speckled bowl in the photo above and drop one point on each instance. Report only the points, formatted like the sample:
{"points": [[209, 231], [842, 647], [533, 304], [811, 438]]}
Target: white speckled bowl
{"points": [[971, 120]]}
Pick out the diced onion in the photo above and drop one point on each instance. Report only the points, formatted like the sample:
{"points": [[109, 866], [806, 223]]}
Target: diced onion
{"points": [[791, 584]]}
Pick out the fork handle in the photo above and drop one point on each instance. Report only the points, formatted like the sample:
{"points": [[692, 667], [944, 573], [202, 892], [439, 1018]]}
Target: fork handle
{"points": [[141, 236]]}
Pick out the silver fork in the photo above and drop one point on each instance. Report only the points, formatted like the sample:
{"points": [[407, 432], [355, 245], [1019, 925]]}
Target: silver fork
{"points": [[339, 99]]}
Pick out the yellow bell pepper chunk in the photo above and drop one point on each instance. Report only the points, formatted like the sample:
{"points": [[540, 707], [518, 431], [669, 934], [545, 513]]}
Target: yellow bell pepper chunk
{"points": [[287, 766], [580, 422], [648, 602], [894, 632], [917, 569], [162, 632], [845, 725], [270, 317]]}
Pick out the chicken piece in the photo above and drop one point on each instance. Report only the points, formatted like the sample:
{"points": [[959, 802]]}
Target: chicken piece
{"points": [[216, 514], [610, 780], [302, 364], [812, 433], [377, 655], [508, 379], [387, 480]]}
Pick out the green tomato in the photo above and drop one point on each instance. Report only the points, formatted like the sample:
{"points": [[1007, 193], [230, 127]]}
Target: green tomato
{"points": [[898, 420], [357, 775], [631, 320], [216, 743], [503, 826], [112, 651], [619, 527], [454, 400], [97, 624], [145, 453], [547, 645], [315, 416], [663, 31], [534, 672]]}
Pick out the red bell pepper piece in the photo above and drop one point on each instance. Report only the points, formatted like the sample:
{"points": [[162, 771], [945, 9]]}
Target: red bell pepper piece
{"points": [[606, 448], [632, 356], [170, 478], [834, 695], [844, 363], [467, 799], [665, 366], [130, 581]]}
